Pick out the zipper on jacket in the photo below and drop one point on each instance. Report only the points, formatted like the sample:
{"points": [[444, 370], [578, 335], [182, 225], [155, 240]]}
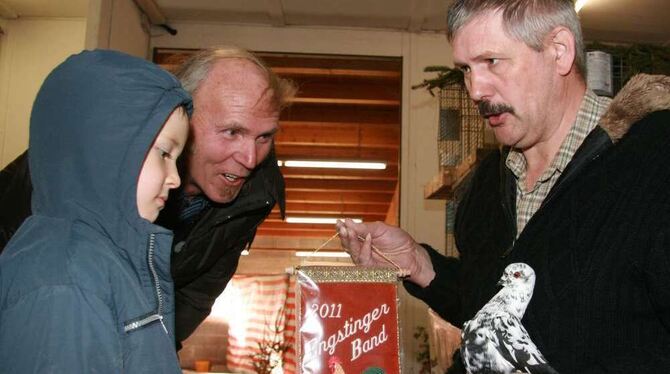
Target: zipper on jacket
{"points": [[157, 287]]}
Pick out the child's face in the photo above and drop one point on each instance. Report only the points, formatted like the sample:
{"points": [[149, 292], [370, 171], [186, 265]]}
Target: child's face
{"points": [[159, 171]]}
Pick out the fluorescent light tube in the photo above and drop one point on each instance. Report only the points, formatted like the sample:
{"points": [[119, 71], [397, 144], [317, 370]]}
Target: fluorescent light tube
{"points": [[334, 164], [318, 220], [321, 254]]}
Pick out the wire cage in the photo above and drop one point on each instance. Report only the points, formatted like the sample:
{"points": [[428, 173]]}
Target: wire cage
{"points": [[620, 70], [461, 128], [460, 134]]}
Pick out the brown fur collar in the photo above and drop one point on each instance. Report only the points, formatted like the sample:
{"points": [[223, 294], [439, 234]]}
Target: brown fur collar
{"points": [[642, 95]]}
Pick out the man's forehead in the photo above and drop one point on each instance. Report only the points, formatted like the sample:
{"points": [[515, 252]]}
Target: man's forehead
{"points": [[235, 65], [485, 22], [484, 33]]}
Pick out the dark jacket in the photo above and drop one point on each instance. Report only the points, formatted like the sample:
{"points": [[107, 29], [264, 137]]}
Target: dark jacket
{"points": [[15, 190], [205, 254], [599, 244], [85, 283]]}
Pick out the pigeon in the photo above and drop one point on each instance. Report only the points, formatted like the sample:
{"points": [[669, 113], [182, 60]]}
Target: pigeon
{"points": [[495, 341]]}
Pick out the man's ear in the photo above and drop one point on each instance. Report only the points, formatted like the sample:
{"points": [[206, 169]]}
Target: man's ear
{"points": [[562, 43]]}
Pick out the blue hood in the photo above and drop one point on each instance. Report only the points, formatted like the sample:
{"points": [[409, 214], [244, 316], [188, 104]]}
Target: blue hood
{"points": [[85, 283], [93, 122]]}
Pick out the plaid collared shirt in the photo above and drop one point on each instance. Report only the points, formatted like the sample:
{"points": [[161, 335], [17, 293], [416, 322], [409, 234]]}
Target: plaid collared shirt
{"points": [[529, 201]]}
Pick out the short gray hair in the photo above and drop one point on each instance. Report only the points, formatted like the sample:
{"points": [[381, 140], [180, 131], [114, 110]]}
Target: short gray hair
{"points": [[195, 69], [526, 20]]}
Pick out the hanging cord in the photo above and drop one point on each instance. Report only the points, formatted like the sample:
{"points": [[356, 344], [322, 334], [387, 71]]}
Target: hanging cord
{"points": [[402, 273]]}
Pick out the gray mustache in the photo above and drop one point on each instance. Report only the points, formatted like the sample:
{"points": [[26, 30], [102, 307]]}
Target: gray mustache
{"points": [[487, 109]]}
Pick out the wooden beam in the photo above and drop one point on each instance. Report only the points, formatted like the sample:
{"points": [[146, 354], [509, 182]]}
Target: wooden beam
{"points": [[337, 208], [339, 113], [348, 197], [339, 134], [347, 88], [311, 152], [336, 101], [295, 232], [346, 73], [389, 174], [340, 185], [443, 185], [331, 61]]}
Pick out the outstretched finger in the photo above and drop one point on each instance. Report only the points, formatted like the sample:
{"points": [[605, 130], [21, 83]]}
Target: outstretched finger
{"points": [[348, 238], [365, 253]]}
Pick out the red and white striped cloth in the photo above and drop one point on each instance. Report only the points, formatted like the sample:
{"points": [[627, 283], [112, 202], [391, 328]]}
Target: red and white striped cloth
{"points": [[256, 308]]}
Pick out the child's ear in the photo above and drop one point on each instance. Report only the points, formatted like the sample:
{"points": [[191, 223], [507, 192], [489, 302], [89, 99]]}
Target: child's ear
{"points": [[562, 44]]}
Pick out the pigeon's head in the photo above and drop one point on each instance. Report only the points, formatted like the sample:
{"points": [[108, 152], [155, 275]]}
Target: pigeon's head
{"points": [[518, 274]]}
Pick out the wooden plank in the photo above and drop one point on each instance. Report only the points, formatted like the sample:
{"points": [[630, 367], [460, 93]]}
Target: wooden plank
{"points": [[342, 101], [339, 134], [312, 152], [340, 185], [335, 113], [348, 197], [329, 72], [274, 59], [295, 232], [389, 174], [347, 88], [443, 185], [337, 208]]}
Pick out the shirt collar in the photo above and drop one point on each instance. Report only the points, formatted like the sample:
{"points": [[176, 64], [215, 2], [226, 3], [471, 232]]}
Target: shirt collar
{"points": [[590, 111]]}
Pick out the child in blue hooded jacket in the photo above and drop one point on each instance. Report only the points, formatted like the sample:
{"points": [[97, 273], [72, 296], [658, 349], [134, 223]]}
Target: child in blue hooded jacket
{"points": [[85, 283]]}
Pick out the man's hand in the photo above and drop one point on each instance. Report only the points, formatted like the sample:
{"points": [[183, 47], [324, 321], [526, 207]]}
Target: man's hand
{"points": [[396, 244]]}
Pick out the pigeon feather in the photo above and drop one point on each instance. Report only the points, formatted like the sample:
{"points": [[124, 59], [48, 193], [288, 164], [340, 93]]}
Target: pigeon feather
{"points": [[495, 341]]}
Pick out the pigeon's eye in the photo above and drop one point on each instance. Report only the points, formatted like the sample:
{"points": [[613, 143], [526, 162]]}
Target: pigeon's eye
{"points": [[517, 274]]}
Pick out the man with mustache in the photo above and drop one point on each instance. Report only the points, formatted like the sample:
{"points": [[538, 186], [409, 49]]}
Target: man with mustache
{"points": [[578, 191], [230, 178]]}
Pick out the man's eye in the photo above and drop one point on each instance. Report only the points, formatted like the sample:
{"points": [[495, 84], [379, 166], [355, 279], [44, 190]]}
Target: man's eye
{"points": [[231, 132], [464, 69], [263, 139], [493, 61]]}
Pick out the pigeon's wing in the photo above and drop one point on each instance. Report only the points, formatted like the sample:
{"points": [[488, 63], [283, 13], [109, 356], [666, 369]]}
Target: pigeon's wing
{"points": [[480, 348], [517, 347]]}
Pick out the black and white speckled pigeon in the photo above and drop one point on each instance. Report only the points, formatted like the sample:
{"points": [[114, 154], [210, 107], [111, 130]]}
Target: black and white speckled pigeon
{"points": [[494, 341]]}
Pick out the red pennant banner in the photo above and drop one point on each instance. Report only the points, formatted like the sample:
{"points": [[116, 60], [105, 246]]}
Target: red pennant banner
{"points": [[348, 320]]}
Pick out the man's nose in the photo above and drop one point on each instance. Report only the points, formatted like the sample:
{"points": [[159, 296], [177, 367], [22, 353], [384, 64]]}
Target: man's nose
{"points": [[479, 88], [247, 154]]}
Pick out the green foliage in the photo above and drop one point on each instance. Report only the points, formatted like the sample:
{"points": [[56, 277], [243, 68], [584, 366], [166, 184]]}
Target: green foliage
{"points": [[446, 76], [423, 355]]}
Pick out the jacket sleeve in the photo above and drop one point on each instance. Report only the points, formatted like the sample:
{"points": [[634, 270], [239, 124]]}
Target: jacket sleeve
{"points": [[15, 195], [59, 329], [658, 277], [443, 293]]}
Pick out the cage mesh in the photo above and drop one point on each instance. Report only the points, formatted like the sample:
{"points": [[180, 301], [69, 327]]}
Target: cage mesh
{"points": [[461, 133], [461, 129]]}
